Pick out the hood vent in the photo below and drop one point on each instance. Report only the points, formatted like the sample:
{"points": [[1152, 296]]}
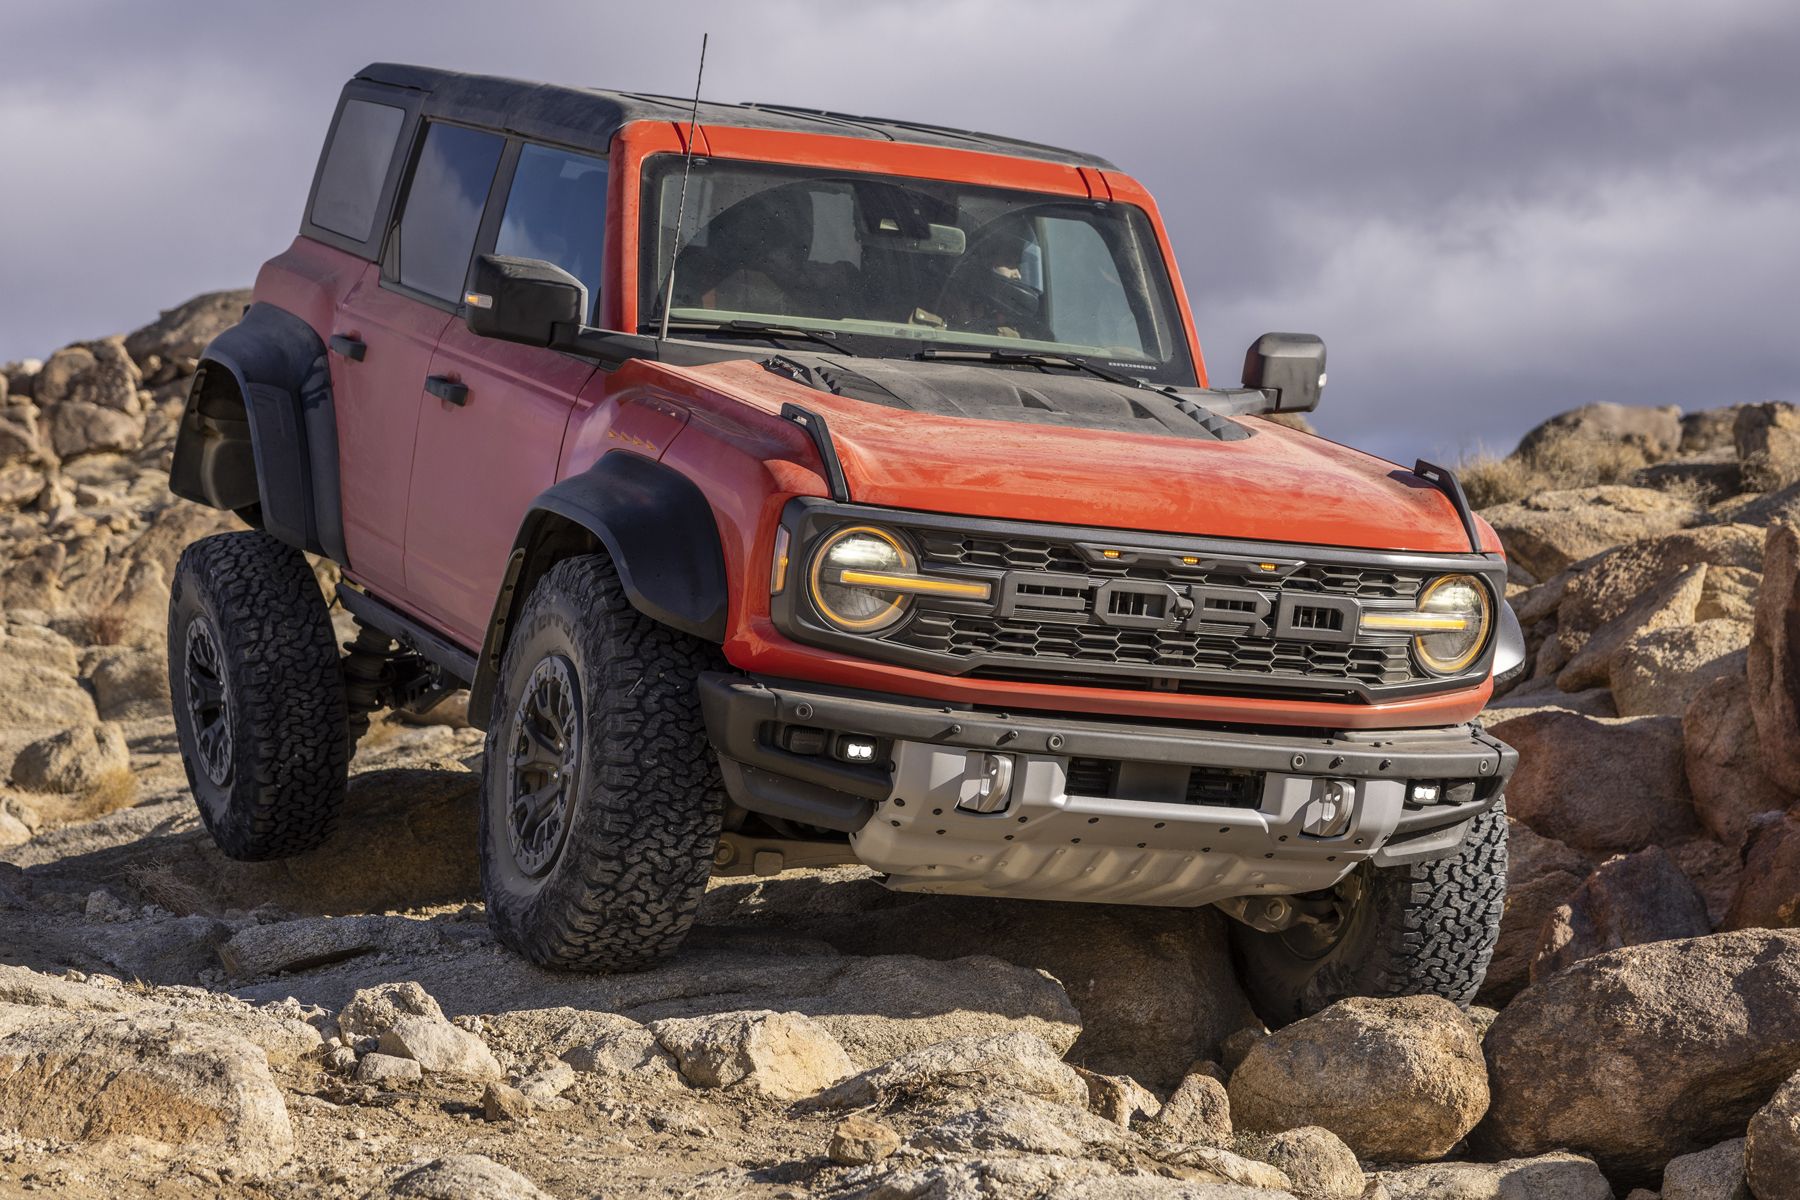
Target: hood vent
{"points": [[990, 393]]}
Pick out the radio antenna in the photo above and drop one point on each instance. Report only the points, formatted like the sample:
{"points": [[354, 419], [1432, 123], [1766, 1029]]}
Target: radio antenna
{"points": [[687, 164]]}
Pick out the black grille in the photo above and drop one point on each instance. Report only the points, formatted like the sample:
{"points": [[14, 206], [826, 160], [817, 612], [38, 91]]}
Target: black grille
{"points": [[1091, 776], [1064, 623], [1225, 787]]}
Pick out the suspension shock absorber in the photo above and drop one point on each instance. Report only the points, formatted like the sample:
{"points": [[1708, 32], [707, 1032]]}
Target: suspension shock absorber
{"points": [[368, 676]]}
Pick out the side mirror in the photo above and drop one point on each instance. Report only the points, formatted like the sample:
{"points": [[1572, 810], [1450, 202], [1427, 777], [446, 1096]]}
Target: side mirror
{"points": [[522, 299], [1287, 367]]}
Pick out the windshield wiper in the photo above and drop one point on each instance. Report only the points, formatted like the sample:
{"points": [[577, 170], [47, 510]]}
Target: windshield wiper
{"points": [[766, 329], [1032, 358]]}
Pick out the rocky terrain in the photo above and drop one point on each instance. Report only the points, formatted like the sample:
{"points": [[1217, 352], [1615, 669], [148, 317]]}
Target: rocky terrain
{"points": [[343, 1025]]}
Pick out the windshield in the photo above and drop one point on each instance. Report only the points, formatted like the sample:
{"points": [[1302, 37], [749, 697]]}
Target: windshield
{"points": [[889, 266]]}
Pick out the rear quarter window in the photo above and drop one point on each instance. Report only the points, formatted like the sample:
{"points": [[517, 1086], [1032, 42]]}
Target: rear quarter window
{"points": [[355, 167]]}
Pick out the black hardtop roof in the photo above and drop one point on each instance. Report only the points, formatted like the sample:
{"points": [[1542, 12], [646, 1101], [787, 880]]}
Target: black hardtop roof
{"points": [[590, 116]]}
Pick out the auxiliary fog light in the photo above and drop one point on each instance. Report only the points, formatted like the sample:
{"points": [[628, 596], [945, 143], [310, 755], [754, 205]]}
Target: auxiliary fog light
{"points": [[1424, 793], [856, 748], [991, 790]]}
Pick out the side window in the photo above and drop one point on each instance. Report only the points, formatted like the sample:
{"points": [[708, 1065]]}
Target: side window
{"points": [[443, 209], [556, 211], [355, 167]]}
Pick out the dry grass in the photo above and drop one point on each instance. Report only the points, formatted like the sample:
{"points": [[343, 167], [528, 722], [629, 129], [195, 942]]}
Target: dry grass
{"points": [[108, 626], [117, 789], [158, 883], [1557, 466]]}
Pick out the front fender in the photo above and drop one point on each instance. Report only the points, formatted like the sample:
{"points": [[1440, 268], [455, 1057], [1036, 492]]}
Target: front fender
{"points": [[651, 520], [260, 428]]}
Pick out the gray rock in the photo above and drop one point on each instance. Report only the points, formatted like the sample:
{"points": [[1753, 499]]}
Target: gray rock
{"points": [[1722, 757], [1660, 672], [1549, 531], [73, 760], [462, 1177], [1022, 1125], [595, 1043], [1627, 901], [1199, 1110], [1607, 588], [1052, 1177], [373, 1011], [1714, 1174], [1656, 432], [1554, 1176], [1645, 1053], [440, 1048], [1668, 603], [1767, 437], [131, 684], [786, 1056], [858, 1140], [184, 331], [1014, 1062], [1118, 1098], [1318, 1164], [1399, 1080], [1599, 785], [1772, 1146], [203, 1094], [1774, 665], [315, 941], [387, 1070], [1768, 891]]}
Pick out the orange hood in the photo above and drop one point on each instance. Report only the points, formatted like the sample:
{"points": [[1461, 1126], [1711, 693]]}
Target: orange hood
{"points": [[1276, 485]]}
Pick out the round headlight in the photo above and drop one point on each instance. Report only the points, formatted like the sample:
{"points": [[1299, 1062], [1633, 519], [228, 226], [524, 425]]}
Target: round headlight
{"points": [[855, 607], [1462, 601]]}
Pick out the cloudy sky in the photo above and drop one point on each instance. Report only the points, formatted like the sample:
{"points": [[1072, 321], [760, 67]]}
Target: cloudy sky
{"points": [[1491, 211]]}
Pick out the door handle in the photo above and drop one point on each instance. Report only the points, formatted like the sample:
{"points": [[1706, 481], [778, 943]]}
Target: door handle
{"points": [[352, 348], [447, 389]]}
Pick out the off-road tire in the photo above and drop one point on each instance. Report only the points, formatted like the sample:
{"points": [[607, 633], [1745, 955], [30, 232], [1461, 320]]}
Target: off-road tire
{"points": [[270, 778], [646, 805], [1426, 929]]}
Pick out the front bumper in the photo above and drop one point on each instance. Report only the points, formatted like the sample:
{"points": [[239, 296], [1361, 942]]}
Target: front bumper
{"points": [[1130, 813]]}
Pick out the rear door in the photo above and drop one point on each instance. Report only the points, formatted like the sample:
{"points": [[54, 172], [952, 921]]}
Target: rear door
{"points": [[388, 328], [484, 454]]}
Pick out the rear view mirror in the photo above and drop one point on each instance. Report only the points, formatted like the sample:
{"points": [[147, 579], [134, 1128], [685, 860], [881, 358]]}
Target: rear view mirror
{"points": [[1289, 368], [522, 299]]}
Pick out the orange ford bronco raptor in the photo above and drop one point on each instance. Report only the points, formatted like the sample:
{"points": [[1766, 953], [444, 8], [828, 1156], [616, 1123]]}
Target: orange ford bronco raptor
{"points": [[792, 488]]}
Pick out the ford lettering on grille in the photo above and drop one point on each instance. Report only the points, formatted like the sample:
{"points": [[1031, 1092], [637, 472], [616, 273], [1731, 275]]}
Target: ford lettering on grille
{"points": [[1206, 609]]}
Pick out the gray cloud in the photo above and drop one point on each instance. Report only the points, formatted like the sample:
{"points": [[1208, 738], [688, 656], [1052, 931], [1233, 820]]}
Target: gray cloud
{"points": [[1490, 211]]}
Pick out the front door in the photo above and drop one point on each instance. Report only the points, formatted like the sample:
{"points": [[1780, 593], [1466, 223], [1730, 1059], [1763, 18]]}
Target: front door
{"points": [[484, 455]]}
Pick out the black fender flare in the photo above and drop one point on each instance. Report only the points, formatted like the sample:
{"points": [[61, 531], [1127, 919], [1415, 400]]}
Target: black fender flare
{"points": [[652, 521], [281, 451]]}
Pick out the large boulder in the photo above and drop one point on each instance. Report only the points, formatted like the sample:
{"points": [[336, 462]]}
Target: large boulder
{"points": [[1608, 587], [1713, 1174], [201, 1093], [1768, 892], [1549, 531], [1767, 437], [1155, 987], [72, 760], [1722, 757], [1729, 594], [1668, 603], [1554, 1176], [1648, 1052], [1529, 904], [1599, 785], [1660, 672], [461, 1177], [1774, 665], [1772, 1146], [786, 1056], [1318, 1164], [440, 1048], [1627, 901], [1595, 429], [184, 331], [1014, 1062], [38, 688], [1399, 1080], [1199, 1110]]}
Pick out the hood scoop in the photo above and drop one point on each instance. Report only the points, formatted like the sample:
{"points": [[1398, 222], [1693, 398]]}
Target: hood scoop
{"points": [[993, 393]]}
